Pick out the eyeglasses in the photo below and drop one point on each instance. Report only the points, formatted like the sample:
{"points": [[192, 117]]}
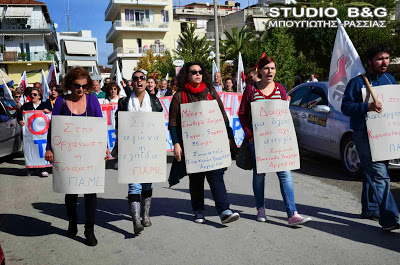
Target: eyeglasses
{"points": [[34, 94], [195, 72], [114, 88], [77, 86], [17, 96], [136, 78]]}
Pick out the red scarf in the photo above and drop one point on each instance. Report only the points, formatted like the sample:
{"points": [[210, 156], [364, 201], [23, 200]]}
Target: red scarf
{"points": [[192, 90]]}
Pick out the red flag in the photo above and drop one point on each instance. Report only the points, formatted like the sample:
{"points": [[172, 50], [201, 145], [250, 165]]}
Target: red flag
{"points": [[154, 76], [262, 56]]}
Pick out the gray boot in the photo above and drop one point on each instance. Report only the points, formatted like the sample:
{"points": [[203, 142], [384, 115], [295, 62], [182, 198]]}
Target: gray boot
{"points": [[135, 212], [146, 203]]}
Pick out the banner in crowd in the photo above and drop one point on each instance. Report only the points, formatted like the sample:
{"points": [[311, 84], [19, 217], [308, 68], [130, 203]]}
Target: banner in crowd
{"points": [[205, 138], [79, 146], [275, 138], [384, 128], [109, 113], [141, 151], [35, 138]]}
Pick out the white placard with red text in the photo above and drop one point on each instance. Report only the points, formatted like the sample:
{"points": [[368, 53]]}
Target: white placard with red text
{"points": [[274, 135], [35, 138], [205, 138], [384, 128], [141, 150], [79, 165]]}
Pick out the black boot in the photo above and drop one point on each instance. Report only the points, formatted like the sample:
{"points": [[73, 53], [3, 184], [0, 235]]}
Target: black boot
{"points": [[70, 204], [72, 229], [89, 234], [145, 204]]}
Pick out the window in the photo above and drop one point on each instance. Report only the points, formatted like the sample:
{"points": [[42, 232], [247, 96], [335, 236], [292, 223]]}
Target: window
{"points": [[165, 16], [317, 97], [300, 96], [139, 16]]}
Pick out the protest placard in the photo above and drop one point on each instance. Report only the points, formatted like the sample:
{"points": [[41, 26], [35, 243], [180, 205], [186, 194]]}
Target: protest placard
{"points": [[79, 146], [35, 138], [384, 128], [275, 138], [109, 112], [205, 139], [141, 147]]}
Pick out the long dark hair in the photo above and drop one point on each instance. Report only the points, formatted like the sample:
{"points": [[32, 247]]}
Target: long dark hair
{"points": [[182, 77]]}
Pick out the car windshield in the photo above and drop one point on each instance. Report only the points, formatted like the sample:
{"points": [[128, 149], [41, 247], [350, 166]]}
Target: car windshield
{"points": [[11, 106]]}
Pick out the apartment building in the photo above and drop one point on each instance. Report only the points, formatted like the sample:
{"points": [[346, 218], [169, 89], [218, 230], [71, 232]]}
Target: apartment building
{"points": [[200, 13], [78, 49], [28, 39], [138, 26]]}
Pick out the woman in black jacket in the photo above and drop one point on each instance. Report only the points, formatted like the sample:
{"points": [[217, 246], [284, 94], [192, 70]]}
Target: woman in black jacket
{"points": [[139, 194], [36, 103]]}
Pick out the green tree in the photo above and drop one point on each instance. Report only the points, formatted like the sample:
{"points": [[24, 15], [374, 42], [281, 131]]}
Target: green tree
{"points": [[148, 63], [164, 63], [235, 43], [192, 48]]}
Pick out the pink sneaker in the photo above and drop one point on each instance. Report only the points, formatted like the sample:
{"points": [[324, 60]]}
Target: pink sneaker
{"points": [[297, 219], [261, 215]]}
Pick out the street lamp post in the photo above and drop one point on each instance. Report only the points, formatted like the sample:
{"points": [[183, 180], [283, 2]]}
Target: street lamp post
{"points": [[216, 34]]}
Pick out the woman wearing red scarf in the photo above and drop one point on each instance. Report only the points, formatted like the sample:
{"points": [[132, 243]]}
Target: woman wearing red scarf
{"points": [[194, 85]]}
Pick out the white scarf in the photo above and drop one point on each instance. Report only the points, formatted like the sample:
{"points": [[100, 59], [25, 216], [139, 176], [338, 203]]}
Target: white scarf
{"points": [[134, 104]]}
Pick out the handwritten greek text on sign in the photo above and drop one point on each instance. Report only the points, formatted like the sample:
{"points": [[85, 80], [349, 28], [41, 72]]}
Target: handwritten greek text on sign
{"points": [[141, 147], [79, 146], [205, 139], [384, 128], [274, 137], [35, 138]]}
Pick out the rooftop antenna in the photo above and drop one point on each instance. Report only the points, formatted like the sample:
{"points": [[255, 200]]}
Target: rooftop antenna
{"points": [[68, 18]]}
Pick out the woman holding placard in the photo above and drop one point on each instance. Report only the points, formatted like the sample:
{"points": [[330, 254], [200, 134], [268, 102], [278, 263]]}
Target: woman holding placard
{"points": [[265, 90], [78, 103], [193, 85], [139, 194]]}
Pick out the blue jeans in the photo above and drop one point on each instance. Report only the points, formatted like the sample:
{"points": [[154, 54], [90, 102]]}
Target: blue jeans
{"points": [[285, 181], [215, 179], [377, 179], [137, 188]]}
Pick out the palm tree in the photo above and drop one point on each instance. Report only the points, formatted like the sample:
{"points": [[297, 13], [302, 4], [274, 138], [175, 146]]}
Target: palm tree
{"points": [[236, 42]]}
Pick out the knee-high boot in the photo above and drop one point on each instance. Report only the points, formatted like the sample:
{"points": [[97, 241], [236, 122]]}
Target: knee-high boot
{"points": [[146, 204]]}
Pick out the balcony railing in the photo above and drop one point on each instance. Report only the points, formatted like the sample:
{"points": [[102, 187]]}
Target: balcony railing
{"points": [[13, 56], [122, 51], [23, 24], [202, 11], [139, 25]]}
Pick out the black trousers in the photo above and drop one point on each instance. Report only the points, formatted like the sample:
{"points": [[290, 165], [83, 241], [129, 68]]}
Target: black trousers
{"points": [[71, 201]]}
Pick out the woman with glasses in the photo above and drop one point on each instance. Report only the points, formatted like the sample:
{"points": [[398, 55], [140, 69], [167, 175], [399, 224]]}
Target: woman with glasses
{"points": [[112, 93], [139, 194], [36, 103], [266, 90], [193, 85], [78, 103], [17, 94]]}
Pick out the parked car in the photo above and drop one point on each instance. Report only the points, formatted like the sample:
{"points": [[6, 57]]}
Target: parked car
{"points": [[10, 130], [320, 128]]}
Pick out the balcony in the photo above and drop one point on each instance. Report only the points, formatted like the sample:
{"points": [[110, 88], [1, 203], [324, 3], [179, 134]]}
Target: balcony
{"points": [[114, 6], [135, 52], [24, 24], [257, 12], [141, 26], [202, 11], [14, 56]]}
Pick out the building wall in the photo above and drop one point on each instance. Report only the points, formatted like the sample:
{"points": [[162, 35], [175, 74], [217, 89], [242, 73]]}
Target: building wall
{"points": [[128, 64], [15, 71], [36, 43]]}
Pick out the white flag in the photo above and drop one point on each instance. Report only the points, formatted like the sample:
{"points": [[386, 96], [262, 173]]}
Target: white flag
{"points": [[241, 84], [23, 84], [45, 88], [119, 80], [52, 79], [7, 91], [345, 65], [214, 70]]}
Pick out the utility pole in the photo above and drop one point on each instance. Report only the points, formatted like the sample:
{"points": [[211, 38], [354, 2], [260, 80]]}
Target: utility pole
{"points": [[68, 18], [216, 34]]}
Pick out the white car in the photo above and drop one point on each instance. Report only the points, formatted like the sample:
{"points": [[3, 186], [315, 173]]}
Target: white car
{"points": [[10, 130]]}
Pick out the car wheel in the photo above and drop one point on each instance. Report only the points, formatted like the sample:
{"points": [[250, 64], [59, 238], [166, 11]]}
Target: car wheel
{"points": [[350, 159]]}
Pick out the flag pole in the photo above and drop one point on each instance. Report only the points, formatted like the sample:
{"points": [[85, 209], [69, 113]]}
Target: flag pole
{"points": [[369, 87]]}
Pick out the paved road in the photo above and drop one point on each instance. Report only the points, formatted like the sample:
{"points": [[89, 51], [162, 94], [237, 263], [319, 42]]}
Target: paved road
{"points": [[33, 223]]}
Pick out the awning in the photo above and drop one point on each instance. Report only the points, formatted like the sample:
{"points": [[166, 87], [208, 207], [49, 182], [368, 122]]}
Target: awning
{"points": [[1, 11], [74, 63], [19, 12], [80, 47]]}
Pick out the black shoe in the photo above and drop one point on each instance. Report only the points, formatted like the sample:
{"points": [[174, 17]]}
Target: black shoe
{"points": [[370, 217], [72, 229], [89, 234], [390, 228], [230, 217]]}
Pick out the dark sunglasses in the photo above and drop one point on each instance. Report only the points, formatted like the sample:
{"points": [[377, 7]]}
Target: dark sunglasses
{"points": [[77, 86], [114, 88], [17, 96], [34, 94], [136, 78], [194, 72]]}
